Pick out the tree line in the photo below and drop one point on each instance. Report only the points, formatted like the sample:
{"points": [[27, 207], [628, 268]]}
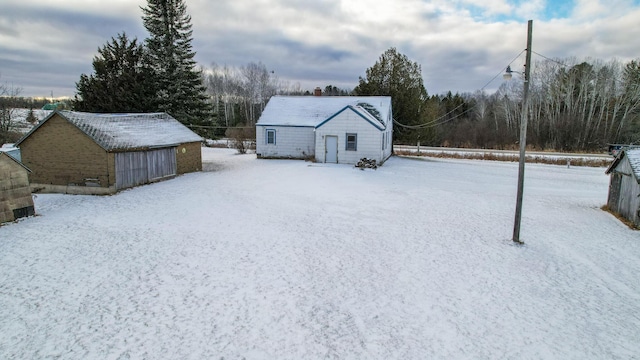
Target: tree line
{"points": [[573, 105], [239, 94]]}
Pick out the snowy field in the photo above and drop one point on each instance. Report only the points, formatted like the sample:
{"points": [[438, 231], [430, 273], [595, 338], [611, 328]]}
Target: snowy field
{"points": [[277, 259], [19, 118]]}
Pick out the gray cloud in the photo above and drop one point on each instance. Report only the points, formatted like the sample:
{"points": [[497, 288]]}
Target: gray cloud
{"points": [[460, 45]]}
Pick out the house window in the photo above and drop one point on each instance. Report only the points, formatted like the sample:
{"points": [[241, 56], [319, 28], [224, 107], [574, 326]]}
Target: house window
{"points": [[271, 136], [352, 142]]}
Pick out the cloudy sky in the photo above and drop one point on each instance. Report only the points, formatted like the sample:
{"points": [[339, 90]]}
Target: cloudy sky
{"points": [[45, 45]]}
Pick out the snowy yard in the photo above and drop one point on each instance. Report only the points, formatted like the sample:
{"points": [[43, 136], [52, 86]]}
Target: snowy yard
{"points": [[277, 259]]}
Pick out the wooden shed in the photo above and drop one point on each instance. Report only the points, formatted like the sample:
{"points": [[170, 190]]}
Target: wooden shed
{"points": [[329, 129], [86, 153], [624, 185], [15, 194]]}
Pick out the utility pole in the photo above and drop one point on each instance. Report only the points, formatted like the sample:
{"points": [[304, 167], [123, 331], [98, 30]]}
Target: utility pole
{"points": [[523, 136]]}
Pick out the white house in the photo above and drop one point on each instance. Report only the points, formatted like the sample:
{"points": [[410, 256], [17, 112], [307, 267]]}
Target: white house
{"points": [[329, 129]]}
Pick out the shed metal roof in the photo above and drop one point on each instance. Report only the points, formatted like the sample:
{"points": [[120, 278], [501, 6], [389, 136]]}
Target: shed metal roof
{"points": [[311, 111], [634, 160], [127, 131]]}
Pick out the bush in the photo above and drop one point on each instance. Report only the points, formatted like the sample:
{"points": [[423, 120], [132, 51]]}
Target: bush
{"points": [[243, 138]]}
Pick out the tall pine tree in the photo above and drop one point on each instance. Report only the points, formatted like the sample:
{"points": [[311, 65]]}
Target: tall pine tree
{"points": [[122, 80], [180, 89], [396, 76]]}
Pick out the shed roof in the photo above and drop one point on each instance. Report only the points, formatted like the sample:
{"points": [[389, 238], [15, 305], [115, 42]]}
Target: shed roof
{"points": [[8, 148], [127, 131], [634, 160], [311, 111], [2, 153]]}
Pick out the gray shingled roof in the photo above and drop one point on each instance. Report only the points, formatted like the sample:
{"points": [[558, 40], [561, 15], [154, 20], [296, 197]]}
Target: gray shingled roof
{"points": [[128, 131]]}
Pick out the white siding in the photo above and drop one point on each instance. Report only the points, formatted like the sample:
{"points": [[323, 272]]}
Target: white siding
{"points": [[369, 138], [291, 142], [388, 133]]}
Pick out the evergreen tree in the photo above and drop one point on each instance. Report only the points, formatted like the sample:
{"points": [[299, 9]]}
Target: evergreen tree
{"points": [[31, 117], [396, 76], [180, 89], [122, 82]]}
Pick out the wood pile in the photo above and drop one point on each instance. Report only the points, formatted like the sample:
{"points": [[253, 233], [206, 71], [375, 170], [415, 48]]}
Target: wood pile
{"points": [[365, 163]]}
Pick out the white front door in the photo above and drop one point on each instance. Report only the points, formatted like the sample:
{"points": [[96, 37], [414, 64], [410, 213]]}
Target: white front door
{"points": [[331, 149]]}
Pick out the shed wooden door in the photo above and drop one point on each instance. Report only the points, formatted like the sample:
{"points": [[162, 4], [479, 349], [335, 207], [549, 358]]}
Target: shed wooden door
{"points": [[161, 163], [140, 167], [614, 192], [331, 149]]}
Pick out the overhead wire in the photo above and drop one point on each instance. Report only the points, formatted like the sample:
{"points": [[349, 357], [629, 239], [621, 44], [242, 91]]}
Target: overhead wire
{"points": [[550, 59], [439, 121]]}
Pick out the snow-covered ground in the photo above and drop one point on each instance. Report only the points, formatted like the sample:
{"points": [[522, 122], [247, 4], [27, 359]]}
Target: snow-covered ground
{"points": [[508, 155], [277, 259], [19, 118]]}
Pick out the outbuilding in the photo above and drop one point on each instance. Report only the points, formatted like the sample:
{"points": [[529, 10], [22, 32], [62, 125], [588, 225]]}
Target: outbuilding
{"points": [[624, 185], [15, 193], [327, 129], [87, 153]]}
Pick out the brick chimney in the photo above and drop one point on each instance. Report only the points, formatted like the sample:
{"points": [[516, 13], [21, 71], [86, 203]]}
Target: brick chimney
{"points": [[317, 91]]}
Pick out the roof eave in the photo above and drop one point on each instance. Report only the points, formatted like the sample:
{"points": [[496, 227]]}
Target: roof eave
{"points": [[375, 124], [16, 160], [144, 148], [611, 169]]}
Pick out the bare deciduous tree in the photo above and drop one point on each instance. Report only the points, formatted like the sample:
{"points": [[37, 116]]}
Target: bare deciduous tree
{"points": [[240, 94], [243, 137], [8, 103]]}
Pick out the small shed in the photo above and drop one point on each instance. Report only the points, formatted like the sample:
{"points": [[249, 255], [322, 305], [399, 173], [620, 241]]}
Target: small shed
{"points": [[328, 129], [624, 185], [15, 193], [86, 153]]}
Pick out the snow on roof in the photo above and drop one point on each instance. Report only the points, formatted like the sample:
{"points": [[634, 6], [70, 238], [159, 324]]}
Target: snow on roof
{"points": [[313, 110], [634, 160], [128, 131], [8, 147]]}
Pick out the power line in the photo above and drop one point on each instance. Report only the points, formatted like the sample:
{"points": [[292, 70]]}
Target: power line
{"points": [[438, 121], [550, 59], [502, 70], [429, 125]]}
